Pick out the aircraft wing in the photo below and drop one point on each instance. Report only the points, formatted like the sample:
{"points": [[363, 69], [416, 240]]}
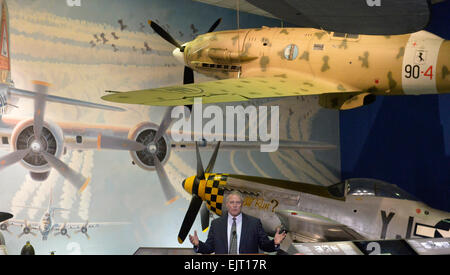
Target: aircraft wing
{"points": [[63, 100], [231, 90], [79, 136], [20, 223], [288, 145], [348, 16], [78, 226], [311, 227]]}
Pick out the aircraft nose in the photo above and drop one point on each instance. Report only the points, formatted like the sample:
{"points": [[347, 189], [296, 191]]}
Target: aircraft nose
{"points": [[188, 184], [179, 56]]}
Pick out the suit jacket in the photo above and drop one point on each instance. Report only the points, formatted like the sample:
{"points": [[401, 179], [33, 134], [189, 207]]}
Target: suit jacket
{"points": [[252, 237]]}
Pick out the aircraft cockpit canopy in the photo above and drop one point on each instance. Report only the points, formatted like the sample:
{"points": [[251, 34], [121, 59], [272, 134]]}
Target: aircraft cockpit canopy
{"points": [[378, 188]]}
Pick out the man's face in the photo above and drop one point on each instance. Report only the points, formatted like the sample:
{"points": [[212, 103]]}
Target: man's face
{"points": [[234, 205]]}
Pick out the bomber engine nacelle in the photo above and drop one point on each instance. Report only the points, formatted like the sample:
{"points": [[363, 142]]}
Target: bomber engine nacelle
{"points": [[144, 133], [51, 141]]}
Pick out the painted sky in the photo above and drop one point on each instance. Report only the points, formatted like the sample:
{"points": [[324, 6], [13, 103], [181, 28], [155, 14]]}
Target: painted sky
{"points": [[64, 46]]}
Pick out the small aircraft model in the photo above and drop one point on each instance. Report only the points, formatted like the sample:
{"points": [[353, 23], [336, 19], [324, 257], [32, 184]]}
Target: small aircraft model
{"points": [[355, 209], [46, 225], [345, 70]]}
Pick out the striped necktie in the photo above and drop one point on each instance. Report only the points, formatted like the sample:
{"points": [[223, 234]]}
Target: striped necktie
{"points": [[233, 238]]}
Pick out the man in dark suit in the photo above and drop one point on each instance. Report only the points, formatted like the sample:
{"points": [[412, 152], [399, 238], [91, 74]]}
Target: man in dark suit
{"points": [[236, 233]]}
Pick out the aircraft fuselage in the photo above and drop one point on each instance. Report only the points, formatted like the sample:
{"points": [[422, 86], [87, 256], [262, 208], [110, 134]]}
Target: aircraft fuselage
{"points": [[371, 217], [416, 63], [46, 225]]}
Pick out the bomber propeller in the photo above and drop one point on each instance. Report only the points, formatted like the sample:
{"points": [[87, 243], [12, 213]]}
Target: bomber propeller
{"points": [[154, 149], [38, 146]]}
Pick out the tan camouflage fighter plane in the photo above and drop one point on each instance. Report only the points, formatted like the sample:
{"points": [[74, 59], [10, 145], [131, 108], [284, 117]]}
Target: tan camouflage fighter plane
{"points": [[355, 209], [346, 70]]}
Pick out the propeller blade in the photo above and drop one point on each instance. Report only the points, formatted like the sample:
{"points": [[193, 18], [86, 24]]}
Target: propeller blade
{"points": [[167, 119], [204, 214], [163, 34], [87, 236], [40, 101], [189, 218], [74, 177], [215, 25], [13, 157], [169, 191], [212, 161], [116, 143], [5, 216], [20, 235], [188, 76], [200, 170]]}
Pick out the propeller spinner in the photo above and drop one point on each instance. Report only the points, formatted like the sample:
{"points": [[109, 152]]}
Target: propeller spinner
{"points": [[178, 53]]}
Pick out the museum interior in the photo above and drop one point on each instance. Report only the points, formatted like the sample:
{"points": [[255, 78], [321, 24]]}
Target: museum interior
{"points": [[125, 125]]}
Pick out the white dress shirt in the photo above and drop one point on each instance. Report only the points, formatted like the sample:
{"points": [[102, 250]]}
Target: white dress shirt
{"points": [[238, 229]]}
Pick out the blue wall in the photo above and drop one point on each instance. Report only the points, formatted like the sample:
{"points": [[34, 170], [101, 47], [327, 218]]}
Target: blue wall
{"points": [[404, 140]]}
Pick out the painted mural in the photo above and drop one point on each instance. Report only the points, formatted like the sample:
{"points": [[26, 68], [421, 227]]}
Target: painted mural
{"points": [[107, 45]]}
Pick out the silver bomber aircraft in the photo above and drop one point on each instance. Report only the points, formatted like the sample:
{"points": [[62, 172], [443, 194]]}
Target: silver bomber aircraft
{"points": [[345, 70], [355, 209]]}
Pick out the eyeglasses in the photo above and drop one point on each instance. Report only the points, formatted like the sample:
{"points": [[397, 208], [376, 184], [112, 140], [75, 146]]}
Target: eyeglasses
{"points": [[235, 202]]}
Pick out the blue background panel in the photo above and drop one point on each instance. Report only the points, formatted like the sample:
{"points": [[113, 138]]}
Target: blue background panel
{"points": [[404, 140]]}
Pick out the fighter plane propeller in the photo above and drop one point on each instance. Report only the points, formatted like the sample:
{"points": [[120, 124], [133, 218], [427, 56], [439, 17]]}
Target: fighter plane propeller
{"points": [[196, 201], [188, 77]]}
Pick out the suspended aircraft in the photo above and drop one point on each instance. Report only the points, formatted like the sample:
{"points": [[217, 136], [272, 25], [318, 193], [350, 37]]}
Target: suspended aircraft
{"points": [[345, 70], [354, 209]]}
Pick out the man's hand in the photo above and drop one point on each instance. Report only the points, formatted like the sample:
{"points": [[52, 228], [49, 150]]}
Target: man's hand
{"points": [[278, 239], [194, 239]]}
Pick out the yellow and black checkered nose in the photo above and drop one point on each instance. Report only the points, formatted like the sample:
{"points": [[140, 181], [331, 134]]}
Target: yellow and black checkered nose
{"points": [[210, 190]]}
